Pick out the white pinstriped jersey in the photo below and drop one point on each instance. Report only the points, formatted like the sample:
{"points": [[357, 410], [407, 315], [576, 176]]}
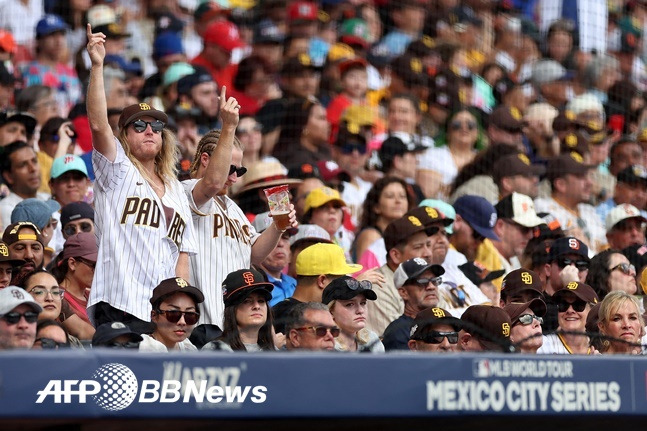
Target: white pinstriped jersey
{"points": [[137, 249], [225, 239]]}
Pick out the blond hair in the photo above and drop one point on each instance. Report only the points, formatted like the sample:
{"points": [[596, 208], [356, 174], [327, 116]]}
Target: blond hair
{"points": [[362, 336], [165, 161], [610, 305], [207, 144]]}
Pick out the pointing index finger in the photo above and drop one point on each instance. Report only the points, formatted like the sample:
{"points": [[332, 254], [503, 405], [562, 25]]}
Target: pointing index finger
{"points": [[223, 94]]}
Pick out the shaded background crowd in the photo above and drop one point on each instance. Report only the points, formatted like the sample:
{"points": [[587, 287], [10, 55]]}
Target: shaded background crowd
{"points": [[467, 175]]}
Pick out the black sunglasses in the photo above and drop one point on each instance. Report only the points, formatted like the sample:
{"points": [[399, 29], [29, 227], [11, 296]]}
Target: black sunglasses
{"points": [[71, 229], [126, 345], [578, 305], [239, 171], [140, 126], [349, 148], [526, 319], [423, 282], [321, 331], [173, 316], [458, 125], [436, 337], [14, 317], [48, 343], [579, 264], [353, 284], [88, 263]]}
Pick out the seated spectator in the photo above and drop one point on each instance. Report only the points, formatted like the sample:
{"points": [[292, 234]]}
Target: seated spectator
{"points": [[307, 235], [346, 299], [116, 335], [526, 318], [417, 283], [630, 188], [574, 302], [611, 271], [26, 243], [482, 278], [18, 317], [39, 101], [7, 265], [16, 126], [248, 320], [310, 326], [177, 302], [69, 180], [50, 334], [521, 286], [620, 319], [253, 84], [434, 330], [485, 328], [77, 217], [57, 137], [43, 215], [625, 226], [324, 207], [42, 286]]}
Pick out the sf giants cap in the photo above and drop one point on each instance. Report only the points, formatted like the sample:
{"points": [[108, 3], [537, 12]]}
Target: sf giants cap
{"points": [[518, 208], [567, 245], [138, 110], [13, 296], [21, 231], [622, 212], [238, 285], [401, 229], [172, 285], [432, 316], [581, 290], [491, 325], [412, 268], [324, 258], [519, 280]]}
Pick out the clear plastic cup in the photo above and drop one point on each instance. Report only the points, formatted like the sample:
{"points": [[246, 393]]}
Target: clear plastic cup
{"points": [[278, 199]]}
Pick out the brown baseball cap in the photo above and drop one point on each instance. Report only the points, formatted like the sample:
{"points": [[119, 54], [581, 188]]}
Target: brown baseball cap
{"points": [[490, 324], [176, 284], [574, 142], [138, 110], [508, 119], [4, 256], [571, 163], [82, 244], [519, 280], [515, 164], [429, 216], [581, 290], [515, 309], [401, 229], [12, 233], [432, 316]]}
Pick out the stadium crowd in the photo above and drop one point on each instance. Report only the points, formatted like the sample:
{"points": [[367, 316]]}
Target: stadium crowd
{"points": [[453, 175]]}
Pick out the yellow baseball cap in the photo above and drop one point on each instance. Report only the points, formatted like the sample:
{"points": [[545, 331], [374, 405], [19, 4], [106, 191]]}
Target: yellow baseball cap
{"points": [[324, 258], [322, 196]]}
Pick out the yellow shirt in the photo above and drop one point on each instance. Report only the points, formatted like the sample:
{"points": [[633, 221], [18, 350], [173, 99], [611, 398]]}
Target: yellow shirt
{"points": [[45, 162], [488, 256]]}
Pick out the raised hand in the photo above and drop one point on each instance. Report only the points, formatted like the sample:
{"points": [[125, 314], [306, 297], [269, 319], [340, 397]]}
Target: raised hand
{"points": [[95, 46], [229, 109]]}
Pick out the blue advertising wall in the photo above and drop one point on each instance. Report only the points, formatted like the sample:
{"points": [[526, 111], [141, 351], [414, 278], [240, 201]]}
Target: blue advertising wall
{"points": [[109, 384]]}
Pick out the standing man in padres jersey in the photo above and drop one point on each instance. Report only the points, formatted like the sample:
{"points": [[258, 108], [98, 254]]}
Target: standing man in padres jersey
{"points": [[226, 239], [142, 216]]}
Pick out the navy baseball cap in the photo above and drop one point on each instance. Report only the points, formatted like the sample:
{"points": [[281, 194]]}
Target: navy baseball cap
{"points": [[50, 24], [478, 213], [567, 245]]}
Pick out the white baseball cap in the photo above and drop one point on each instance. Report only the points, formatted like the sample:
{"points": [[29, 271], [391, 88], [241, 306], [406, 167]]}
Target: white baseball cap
{"points": [[519, 208], [310, 232], [13, 296], [622, 212]]}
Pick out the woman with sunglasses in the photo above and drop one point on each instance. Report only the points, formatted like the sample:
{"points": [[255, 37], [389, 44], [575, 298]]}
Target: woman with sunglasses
{"points": [[611, 271], [526, 318], [438, 167], [175, 313], [574, 302], [74, 272], [346, 299], [620, 319], [248, 318], [143, 219]]}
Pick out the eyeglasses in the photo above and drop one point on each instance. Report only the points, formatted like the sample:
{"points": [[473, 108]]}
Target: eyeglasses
{"points": [[321, 331], [239, 171], [626, 268], [579, 264], [88, 263], [349, 148], [255, 128], [140, 126], [71, 229], [458, 125], [423, 282], [39, 292], [126, 345], [526, 319], [353, 284], [48, 343], [436, 337], [578, 305], [13, 318], [173, 316]]}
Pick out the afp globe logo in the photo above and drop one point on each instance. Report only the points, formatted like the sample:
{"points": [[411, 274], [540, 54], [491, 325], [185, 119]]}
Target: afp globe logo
{"points": [[118, 387]]}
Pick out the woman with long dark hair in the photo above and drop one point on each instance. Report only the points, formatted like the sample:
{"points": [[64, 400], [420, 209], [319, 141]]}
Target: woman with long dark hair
{"points": [[248, 318]]}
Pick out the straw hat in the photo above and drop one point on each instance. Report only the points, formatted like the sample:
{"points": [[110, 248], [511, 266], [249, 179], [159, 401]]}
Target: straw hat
{"points": [[265, 174]]}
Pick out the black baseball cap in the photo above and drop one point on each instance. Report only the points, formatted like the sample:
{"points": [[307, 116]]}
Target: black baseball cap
{"points": [[477, 273], [346, 287], [107, 332], [568, 245], [238, 285]]}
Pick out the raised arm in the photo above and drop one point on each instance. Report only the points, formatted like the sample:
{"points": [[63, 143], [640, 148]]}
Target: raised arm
{"points": [[102, 138], [217, 171]]}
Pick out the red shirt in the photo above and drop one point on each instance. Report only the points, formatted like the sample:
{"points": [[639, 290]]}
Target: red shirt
{"points": [[221, 76]]}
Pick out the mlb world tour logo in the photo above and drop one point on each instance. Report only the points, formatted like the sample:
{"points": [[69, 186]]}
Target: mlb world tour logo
{"points": [[114, 387]]}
